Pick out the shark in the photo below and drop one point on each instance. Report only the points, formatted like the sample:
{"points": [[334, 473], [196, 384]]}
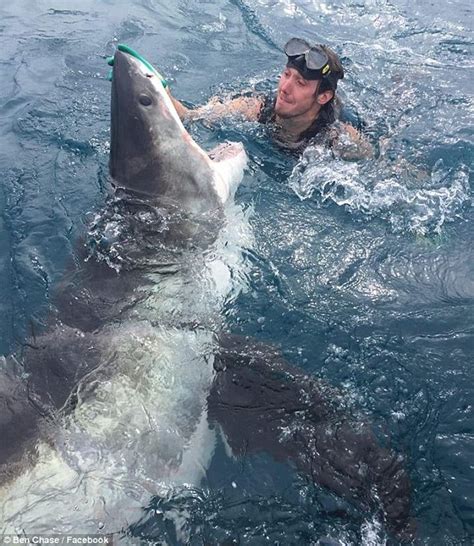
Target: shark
{"points": [[125, 392], [107, 406]]}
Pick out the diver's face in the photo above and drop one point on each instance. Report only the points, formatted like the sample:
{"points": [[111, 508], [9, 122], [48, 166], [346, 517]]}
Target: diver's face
{"points": [[296, 96]]}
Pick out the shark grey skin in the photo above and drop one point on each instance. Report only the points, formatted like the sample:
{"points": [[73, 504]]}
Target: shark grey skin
{"points": [[107, 406], [261, 403], [96, 427], [142, 153]]}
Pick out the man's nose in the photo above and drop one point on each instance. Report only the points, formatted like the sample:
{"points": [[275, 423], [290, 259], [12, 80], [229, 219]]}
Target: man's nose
{"points": [[286, 85]]}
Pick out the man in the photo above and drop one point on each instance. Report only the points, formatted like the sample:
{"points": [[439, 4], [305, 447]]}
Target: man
{"points": [[305, 104]]}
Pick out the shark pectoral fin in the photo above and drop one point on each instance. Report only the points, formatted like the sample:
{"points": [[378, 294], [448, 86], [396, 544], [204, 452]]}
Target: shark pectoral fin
{"points": [[262, 403], [256, 395], [228, 161]]}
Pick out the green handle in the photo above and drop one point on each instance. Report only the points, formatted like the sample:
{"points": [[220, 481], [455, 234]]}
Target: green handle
{"points": [[127, 49]]}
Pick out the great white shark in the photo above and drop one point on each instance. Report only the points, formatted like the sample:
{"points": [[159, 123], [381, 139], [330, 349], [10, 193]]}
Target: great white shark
{"points": [[119, 399], [108, 406]]}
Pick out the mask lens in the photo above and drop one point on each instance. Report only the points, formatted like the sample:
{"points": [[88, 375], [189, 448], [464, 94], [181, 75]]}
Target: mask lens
{"points": [[316, 58], [296, 47]]}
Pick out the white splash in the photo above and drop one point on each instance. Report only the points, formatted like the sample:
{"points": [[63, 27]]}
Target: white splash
{"points": [[409, 199]]}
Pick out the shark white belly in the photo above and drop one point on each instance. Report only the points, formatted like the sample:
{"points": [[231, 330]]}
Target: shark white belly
{"points": [[134, 420]]}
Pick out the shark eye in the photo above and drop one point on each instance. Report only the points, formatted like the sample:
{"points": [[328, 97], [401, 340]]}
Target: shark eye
{"points": [[145, 100]]}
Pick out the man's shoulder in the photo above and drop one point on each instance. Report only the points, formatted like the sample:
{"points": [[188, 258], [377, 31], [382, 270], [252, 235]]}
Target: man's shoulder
{"points": [[267, 109]]}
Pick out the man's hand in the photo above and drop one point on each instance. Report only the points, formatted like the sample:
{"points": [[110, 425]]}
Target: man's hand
{"points": [[349, 144]]}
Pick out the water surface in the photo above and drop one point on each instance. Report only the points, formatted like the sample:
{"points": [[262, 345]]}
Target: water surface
{"points": [[361, 272]]}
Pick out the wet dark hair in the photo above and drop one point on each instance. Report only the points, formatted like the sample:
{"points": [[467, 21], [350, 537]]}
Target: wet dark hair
{"points": [[329, 82], [330, 110]]}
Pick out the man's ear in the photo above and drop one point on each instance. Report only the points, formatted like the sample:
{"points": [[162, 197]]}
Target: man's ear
{"points": [[325, 97]]}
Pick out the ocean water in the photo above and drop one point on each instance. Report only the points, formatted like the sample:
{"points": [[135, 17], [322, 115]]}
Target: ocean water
{"points": [[360, 273]]}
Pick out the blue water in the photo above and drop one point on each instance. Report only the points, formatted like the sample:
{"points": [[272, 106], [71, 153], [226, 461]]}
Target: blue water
{"points": [[361, 272]]}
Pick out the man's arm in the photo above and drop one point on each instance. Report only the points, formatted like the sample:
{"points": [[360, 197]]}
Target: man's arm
{"points": [[247, 108], [349, 143], [346, 140]]}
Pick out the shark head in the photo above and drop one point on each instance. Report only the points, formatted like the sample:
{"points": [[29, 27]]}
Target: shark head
{"points": [[151, 153], [154, 158]]}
